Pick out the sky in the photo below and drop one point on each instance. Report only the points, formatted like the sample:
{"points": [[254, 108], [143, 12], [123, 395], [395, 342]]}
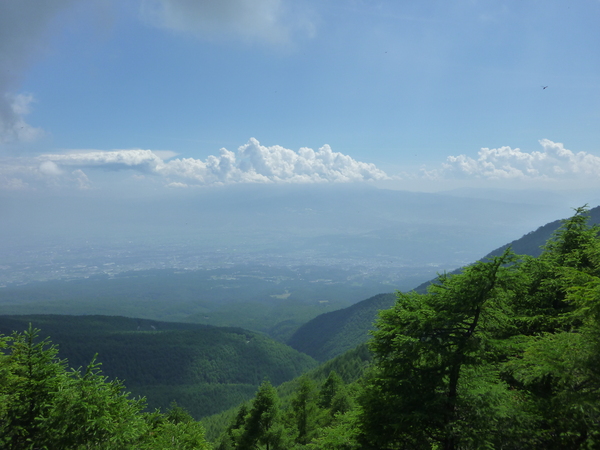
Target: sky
{"points": [[164, 95]]}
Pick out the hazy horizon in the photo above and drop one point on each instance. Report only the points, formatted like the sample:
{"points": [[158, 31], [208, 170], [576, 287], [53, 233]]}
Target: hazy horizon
{"points": [[123, 121], [349, 225]]}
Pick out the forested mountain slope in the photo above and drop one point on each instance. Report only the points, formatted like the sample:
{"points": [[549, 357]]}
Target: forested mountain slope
{"points": [[332, 333], [503, 354], [206, 369], [349, 367]]}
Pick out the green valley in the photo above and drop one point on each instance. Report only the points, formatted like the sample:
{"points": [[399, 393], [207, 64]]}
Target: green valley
{"points": [[501, 354], [205, 369], [268, 299]]}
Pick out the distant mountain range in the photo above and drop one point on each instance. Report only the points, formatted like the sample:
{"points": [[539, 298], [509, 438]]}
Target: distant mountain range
{"points": [[531, 243]]}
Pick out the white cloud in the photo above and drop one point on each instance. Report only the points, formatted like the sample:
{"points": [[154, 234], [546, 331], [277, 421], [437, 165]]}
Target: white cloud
{"points": [[164, 154], [553, 162], [176, 184], [142, 160], [552, 166], [253, 163], [262, 20], [50, 168]]}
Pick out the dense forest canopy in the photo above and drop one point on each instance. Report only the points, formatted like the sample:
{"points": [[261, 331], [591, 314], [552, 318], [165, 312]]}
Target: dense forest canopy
{"points": [[44, 405], [503, 355], [206, 369]]}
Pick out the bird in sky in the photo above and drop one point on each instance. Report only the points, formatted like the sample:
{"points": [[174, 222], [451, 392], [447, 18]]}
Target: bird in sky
{"points": [[544, 87]]}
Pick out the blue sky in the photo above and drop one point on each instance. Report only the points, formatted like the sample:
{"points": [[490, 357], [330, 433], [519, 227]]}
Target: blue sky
{"points": [[402, 94]]}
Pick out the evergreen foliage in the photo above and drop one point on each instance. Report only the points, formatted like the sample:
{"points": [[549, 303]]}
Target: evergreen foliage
{"points": [[47, 406], [424, 346], [266, 424], [503, 355], [345, 369], [206, 369], [303, 414]]}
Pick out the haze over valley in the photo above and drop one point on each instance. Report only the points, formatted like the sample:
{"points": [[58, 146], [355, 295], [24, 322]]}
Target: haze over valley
{"points": [[264, 259], [286, 224], [390, 236]]}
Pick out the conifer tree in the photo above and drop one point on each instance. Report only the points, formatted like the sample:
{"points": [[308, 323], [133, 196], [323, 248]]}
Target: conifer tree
{"points": [[330, 388], [261, 426], [32, 375], [304, 411], [46, 406], [503, 355], [423, 347]]}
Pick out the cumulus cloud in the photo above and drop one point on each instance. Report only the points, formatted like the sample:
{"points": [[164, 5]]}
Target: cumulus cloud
{"points": [[253, 163], [554, 161], [256, 163], [263, 20], [50, 168]]}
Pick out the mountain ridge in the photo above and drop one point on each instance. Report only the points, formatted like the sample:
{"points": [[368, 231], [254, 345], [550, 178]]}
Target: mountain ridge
{"points": [[317, 337]]}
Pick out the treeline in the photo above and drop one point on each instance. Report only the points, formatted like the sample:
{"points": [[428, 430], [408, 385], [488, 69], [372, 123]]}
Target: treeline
{"points": [[264, 423], [349, 367]]}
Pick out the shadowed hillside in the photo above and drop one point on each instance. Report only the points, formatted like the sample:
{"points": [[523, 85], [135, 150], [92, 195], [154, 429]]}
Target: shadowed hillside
{"points": [[333, 333], [206, 369]]}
